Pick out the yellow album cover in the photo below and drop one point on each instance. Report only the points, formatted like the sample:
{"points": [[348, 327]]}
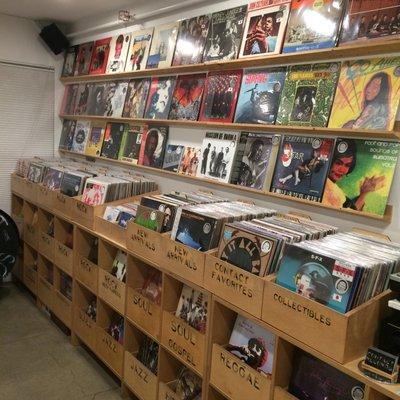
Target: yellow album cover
{"points": [[367, 94], [95, 141]]}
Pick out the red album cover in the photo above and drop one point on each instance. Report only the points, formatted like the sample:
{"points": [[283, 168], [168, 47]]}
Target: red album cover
{"points": [[83, 58], [98, 64], [69, 99], [152, 148], [220, 96], [152, 287]]}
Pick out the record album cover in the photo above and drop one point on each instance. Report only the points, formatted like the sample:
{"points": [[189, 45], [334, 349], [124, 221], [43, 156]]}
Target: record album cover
{"points": [[82, 98], [69, 100], [130, 146], [367, 94], [265, 28], [83, 58], [67, 134], [258, 161], [115, 98], [94, 192], [160, 97], [52, 178], [173, 156], [190, 161], [225, 34], [365, 20], [302, 166], [152, 148], [253, 344], [361, 175], [307, 96], [220, 95], [112, 140], [97, 99], [313, 25], [188, 386], [95, 141], [139, 50], [312, 379], [186, 99], [260, 95], [119, 47], [163, 46], [191, 39], [136, 96], [70, 60], [98, 63], [81, 136], [150, 218]]}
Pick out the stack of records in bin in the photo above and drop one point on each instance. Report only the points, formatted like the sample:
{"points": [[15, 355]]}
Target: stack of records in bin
{"points": [[256, 246], [73, 182], [340, 271], [199, 226], [120, 214]]}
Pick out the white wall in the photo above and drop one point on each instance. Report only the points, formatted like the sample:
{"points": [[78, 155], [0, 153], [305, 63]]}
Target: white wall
{"points": [[194, 136]]}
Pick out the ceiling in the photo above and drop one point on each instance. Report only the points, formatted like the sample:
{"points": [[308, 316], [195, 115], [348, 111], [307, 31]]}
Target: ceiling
{"points": [[63, 11]]}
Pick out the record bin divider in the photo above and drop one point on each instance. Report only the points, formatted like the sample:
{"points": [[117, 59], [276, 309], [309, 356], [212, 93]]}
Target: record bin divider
{"points": [[45, 291], [44, 196], [228, 374], [29, 274], [63, 255], [110, 289], [31, 226], [137, 376], [140, 310], [63, 204], [46, 242], [62, 306]]}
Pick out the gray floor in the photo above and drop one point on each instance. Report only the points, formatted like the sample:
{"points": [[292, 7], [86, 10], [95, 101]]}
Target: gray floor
{"points": [[37, 361]]}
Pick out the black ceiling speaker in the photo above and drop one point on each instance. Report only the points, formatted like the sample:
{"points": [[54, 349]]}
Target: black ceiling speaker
{"points": [[54, 38]]}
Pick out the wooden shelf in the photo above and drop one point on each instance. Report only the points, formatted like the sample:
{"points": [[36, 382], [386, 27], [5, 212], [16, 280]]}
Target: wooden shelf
{"points": [[368, 49], [283, 129], [387, 217]]}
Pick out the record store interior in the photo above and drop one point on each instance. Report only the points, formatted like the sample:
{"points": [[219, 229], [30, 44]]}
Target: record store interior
{"points": [[200, 200]]}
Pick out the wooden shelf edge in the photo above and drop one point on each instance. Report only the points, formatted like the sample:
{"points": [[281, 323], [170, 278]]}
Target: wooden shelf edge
{"points": [[282, 129], [387, 217], [369, 49]]}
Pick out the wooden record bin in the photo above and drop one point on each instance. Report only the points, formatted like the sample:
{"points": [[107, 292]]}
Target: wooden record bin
{"points": [[62, 300], [30, 268], [137, 376], [83, 325], [45, 291], [110, 288], [46, 234], [214, 394], [141, 310], [182, 340], [44, 196], [228, 374], [30, 190], [18, 185], [31, 226], [108, 349], [63, 204], [85, 269], [63, 245], [111, 230], [17, 206]]}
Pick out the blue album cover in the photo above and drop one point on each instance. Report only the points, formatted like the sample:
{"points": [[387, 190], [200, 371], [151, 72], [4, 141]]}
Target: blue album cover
{"points": [[302, 166], [315, 276], [260, 95]]}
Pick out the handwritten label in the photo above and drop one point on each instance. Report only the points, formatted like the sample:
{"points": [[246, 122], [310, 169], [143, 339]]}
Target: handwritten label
{"points": [[180, 351], [63, 250], [86, 265], [142, 303], [141, 238], [183, 331], [111, 284], [110, 343], [46, 239], [81, 207], [61, 198], [85, 319], [181, 256]]}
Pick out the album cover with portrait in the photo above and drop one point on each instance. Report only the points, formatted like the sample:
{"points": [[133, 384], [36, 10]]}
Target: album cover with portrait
{"points": [[260, 95], [69, 61], [136, 96], [152, 148], [190, 161], [81, 136], [160, 97], [83, 58], [83, 95], [97, 99], [130, 145], [67, 134], [225, 34], [186, 99], [101, 50], [361, 175], [112, 140], [367, 94], [307, 95], [95, 141], [115, 94], [220, 95], [313, 25], [119, 47], [139, 50], [302, 166], [173, 156], [191, 40], [163, 46], [69, 99], [265, 28]]}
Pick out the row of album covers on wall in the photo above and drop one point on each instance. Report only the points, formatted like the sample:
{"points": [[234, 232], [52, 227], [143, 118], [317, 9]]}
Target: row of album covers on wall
{"points": [[362, 94], [261, 28], [341, 173]]}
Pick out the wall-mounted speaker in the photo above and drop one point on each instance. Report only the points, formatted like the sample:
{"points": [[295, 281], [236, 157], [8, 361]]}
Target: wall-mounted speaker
{"points": [[54, 38]]}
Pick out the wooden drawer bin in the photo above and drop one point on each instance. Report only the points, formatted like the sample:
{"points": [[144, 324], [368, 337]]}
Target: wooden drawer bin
{"points": [[18, 185], [85, 270], [110, 288], [108, 349], [342, 337], [230, 375], [137, 376], [46, 241], [63, 205], [63, 239], [31, 224], [182, 260], [235, 285], [17, 205], [62, 305], [30, 268], [45, 289], [140, 310], [185, 342], [112, 231], [44, 196], [84, 326]]}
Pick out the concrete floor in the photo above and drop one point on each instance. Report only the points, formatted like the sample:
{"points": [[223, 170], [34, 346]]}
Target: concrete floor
{"points": [[37, 361]]}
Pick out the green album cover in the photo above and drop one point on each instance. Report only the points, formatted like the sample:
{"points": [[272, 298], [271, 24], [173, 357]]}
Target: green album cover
{"points": [[149, 218], [308, 94], [361, 175]]}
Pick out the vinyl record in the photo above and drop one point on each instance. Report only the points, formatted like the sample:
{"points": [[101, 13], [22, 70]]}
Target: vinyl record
{"points": [[9, 243]]}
